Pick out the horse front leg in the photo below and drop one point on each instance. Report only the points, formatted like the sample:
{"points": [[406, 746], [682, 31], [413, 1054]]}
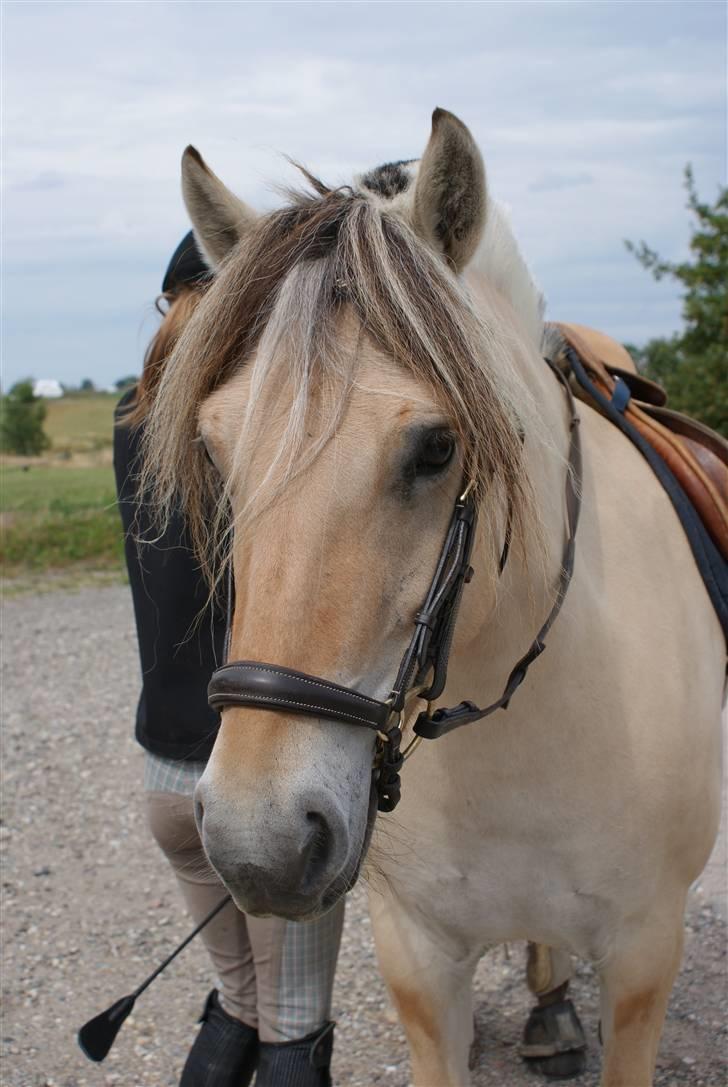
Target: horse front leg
{"points": [[636, 981], [431, 990]]}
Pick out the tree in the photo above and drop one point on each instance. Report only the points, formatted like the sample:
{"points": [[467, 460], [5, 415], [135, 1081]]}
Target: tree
{"points": [[693, 365], [126, 382], [87, 386], [21, 421]]}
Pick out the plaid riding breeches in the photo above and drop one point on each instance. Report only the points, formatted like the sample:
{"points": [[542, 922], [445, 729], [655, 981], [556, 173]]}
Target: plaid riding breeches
{"points": [[274, 975]]}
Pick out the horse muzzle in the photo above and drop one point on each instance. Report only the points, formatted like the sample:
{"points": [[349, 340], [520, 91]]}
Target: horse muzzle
{"points": [[292, 857]]}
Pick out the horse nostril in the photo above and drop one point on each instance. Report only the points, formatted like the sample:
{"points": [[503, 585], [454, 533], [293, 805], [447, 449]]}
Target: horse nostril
{"points": [[317, 849], [282, 865], [319, 829]]}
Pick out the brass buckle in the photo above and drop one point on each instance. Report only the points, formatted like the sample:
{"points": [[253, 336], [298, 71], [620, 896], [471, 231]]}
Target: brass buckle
{"points": [[411, 747], [382, 737], [415, 742]]}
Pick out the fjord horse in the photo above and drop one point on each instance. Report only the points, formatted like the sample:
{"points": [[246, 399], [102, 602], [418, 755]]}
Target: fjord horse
{"points": [[361, 353]]}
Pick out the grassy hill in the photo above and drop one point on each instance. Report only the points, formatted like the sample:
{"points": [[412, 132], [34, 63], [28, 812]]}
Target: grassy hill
{"points": [[80, 424]]}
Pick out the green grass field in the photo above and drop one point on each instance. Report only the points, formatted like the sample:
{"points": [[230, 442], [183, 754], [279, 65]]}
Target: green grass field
{"points": [[52, 517], [58, 512], [55, 489]]}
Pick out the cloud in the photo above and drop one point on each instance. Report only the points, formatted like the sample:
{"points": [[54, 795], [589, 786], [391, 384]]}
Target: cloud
{"points": [[46, 179], [549, 181], [586, 115]]}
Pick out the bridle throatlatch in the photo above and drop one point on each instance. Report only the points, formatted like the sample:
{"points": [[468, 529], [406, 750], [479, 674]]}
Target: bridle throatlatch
{"points": [[274, 687]]}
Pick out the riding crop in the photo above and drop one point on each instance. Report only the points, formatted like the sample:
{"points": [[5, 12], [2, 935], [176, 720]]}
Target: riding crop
{"points": [[98, 1035]]}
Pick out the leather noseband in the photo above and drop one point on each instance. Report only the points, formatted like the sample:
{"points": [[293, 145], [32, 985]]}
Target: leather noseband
{"points": [[273, 687]]}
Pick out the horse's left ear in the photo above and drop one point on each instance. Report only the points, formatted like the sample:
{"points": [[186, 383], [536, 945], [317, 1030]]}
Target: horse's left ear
{"points": [[450, 193], [220, 218]]}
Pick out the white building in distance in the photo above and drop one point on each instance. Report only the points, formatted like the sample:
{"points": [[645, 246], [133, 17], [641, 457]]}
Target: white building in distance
{"points": [[48, 388]]}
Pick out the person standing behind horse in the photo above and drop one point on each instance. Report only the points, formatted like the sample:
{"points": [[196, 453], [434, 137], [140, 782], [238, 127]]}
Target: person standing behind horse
{"points": [[272, 1011]]}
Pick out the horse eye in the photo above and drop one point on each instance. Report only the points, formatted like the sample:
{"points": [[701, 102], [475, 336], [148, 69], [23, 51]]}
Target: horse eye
{"points": [[435, 452]]}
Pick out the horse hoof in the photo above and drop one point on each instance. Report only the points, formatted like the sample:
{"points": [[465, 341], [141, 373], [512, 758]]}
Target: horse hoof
{"points": [[562, 1066], [553, 1041]]}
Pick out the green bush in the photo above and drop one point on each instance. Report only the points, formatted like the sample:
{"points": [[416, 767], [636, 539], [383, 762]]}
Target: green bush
{"points": [[21, 421]]}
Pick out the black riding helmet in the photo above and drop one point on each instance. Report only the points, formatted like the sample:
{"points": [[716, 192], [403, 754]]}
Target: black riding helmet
{"points": [[186, 266]]}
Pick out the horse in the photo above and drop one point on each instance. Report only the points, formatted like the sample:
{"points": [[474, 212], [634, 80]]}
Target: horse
{"points": [[368, 359]]}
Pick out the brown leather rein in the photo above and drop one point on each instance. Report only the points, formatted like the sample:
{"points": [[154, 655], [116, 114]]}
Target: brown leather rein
{"points": [[274, 687]]}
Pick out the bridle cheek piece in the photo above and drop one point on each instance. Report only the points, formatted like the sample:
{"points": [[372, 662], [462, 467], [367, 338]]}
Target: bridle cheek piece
{"points": [[274, 687]]}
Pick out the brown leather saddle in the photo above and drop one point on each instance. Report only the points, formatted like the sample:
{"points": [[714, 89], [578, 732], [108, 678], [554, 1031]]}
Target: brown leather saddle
{"points": [[696, 455]]}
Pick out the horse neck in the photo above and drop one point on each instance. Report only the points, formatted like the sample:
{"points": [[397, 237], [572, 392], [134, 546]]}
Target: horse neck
{"points": [[535, 572], [525, 591], [499, 262]]}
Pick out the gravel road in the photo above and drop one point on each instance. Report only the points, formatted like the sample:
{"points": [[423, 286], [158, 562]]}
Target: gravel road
{"points": [[90, 906]]}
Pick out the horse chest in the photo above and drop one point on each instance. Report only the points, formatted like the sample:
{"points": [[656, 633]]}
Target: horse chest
{"points": [[474, 889]]}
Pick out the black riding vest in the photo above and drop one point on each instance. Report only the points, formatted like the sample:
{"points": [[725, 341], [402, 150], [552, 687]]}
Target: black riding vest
{"points": [[179, 651]]}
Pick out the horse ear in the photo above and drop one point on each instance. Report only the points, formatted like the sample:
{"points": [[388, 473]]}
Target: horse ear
{"points": [[219, 218], [450, 193]]}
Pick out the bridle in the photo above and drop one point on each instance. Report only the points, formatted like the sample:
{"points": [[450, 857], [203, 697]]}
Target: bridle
{"points": [[274, 687]]}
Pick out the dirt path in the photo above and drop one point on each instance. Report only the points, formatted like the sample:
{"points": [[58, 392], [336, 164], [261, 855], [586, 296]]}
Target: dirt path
{"points": [[89, 906]]}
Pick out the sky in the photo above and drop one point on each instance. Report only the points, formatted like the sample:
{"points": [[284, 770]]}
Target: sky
{"points": [[586, 114]]}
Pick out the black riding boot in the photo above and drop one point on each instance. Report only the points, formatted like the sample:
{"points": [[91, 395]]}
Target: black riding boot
{"points": [[305, 1062], [225, 1053], [553, 1040]]}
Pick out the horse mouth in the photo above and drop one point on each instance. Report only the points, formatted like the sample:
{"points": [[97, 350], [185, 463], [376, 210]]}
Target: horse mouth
{"points": [[346, 880]]}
